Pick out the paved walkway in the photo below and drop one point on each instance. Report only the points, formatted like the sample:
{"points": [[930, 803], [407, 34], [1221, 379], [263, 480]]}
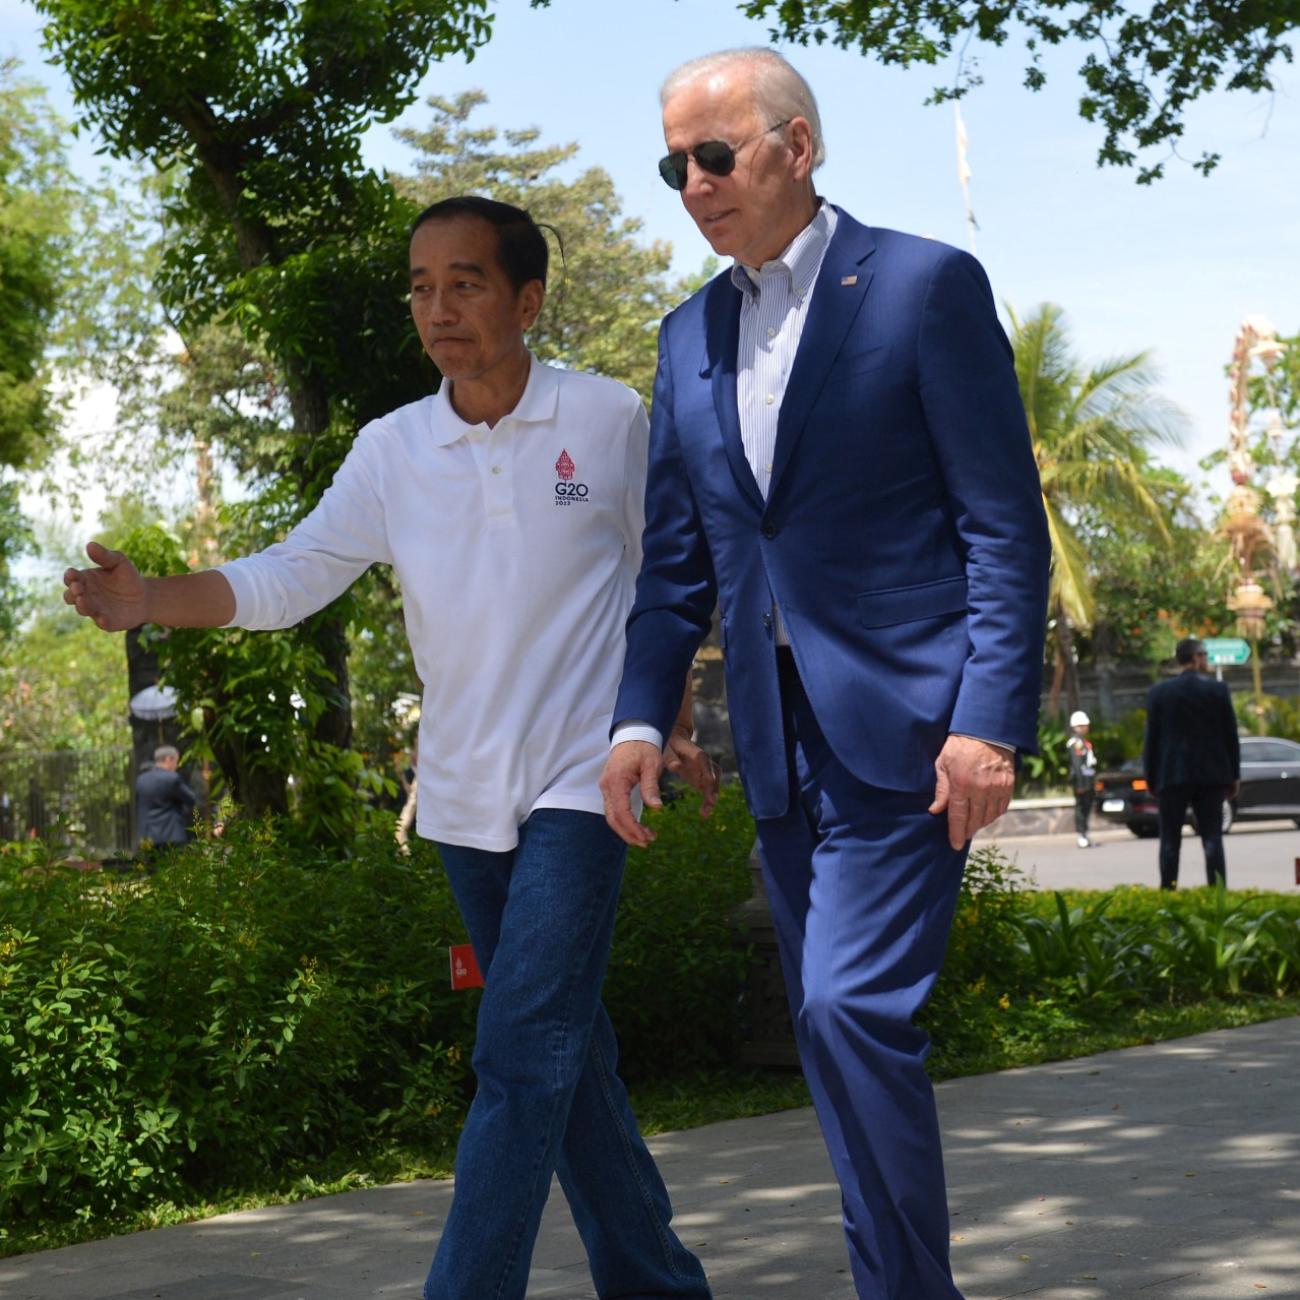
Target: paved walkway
{"points": [[1167, 1173]]}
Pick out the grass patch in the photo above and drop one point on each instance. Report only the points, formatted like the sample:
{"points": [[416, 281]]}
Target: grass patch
{"points": [[1046, 1031]]}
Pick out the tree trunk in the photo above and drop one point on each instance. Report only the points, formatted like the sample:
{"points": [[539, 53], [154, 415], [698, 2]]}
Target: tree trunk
{"points": [[334, 726], [256, 790], [141, 673], [1065, 672], [309, 404]]}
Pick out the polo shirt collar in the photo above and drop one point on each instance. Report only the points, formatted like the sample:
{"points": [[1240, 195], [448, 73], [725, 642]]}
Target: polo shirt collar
{"points": [[540, 400]]}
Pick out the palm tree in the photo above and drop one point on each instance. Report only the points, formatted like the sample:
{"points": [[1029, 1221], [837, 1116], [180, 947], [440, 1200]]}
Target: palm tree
{"points": [[1093, 432]]}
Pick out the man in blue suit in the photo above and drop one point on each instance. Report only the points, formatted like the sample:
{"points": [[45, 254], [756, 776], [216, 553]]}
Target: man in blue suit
{"points": [[839, 459]]}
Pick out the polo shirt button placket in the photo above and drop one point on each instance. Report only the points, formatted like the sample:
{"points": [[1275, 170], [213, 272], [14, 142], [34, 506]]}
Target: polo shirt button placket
{"points": [[497, 482]]}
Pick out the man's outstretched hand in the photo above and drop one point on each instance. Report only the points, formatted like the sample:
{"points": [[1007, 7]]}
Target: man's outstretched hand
{"points": [[112, 595], [973, 784]]}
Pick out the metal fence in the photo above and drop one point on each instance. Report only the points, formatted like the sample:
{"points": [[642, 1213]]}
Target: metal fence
{"points": [[77, 799]]}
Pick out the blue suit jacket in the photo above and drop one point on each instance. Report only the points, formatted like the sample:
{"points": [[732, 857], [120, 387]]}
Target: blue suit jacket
{"points": [[903, 536]]}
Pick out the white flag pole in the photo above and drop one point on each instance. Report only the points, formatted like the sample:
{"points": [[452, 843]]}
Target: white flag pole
{"points": [[963, 173]]}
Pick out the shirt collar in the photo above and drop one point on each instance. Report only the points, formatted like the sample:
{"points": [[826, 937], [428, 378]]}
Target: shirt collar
{"points": [[800, 260], [537, 405]]}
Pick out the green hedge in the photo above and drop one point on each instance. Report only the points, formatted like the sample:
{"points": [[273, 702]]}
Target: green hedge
{"points": [[1029, 973], [252, 1007]]}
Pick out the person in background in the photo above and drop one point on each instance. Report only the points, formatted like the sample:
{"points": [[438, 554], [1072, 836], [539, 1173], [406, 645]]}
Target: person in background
{"points": [[164, 804], [1192, 759], [409, 781], [1083, 774]]}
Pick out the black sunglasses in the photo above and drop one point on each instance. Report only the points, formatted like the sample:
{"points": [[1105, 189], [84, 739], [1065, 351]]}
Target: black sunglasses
{"points": [[716, 157]]}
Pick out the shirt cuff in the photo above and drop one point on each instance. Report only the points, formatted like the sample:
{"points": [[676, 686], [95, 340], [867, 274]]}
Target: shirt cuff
{"points": [[997, 744], [635, 729]]}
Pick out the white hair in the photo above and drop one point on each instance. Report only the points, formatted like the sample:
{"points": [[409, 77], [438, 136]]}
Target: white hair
{"points": [[780, 93]]}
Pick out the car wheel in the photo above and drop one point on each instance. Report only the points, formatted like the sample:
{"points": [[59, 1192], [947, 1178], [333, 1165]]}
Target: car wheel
{"points": [[1145, 832]]}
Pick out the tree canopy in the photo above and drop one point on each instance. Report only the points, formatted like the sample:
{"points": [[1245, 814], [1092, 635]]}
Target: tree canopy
{"points": [[35, 236], [1094, 429], [261, 109], [1145, 63], [276, 222]]}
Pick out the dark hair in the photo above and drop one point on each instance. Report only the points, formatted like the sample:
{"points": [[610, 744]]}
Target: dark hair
{"points": [[1187, 649], [521, 246]]}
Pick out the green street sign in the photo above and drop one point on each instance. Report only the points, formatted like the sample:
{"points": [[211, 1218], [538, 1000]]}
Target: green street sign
{"points": [[1227, 649]]}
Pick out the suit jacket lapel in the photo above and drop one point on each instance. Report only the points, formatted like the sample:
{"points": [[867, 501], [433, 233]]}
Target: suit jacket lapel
{"points": [[721, 343], [841, 286]]}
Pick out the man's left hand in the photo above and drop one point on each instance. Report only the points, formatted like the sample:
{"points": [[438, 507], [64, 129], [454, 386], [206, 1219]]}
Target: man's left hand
{"points": [[973, 785]]}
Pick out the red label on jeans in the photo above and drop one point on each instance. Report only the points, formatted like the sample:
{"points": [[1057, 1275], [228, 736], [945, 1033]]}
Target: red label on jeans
{"points": [[465, 973]]}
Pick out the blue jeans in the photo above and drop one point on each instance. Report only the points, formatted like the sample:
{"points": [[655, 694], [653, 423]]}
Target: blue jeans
{"points": [[549, 1099]]}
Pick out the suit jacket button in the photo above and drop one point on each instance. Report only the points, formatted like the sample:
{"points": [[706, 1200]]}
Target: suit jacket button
{"points": [[769, 531]]}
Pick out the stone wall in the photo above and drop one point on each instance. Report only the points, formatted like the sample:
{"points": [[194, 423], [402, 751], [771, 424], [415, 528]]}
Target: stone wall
{"points": [[1108, 691]]}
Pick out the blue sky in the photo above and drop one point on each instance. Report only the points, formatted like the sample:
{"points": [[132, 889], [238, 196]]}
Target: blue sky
{"points": [[1171, 267]]}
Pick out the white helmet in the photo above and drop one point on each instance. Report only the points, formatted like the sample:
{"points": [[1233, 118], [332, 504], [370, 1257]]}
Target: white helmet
{"points": [[1079, 718]]}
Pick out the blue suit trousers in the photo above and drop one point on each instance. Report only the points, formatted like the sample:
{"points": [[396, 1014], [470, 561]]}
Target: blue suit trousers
{"points": [[863, 885]]}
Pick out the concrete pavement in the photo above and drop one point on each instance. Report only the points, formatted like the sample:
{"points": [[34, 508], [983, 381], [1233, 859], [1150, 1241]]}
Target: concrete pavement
{"points": [[1169, 1171], [1261, 855]]}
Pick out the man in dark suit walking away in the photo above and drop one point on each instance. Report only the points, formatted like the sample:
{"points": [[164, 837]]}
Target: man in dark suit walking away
{"points": [[1192, 757]]}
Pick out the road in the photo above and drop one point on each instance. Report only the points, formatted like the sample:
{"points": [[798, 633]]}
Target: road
{"points": [[1261, 855]]}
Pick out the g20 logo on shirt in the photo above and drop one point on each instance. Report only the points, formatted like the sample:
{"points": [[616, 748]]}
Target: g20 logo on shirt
{"points": [[566, 490]]}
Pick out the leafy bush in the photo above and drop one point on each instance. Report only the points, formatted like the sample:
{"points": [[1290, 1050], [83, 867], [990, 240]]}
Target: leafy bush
{"points": [[1271, 715], [1139, 944], [1051, 765], [1083, 944], [1114, 742], [241, 1010], [258, 1005], [677, 972], [1029, 973], [250, 702]]}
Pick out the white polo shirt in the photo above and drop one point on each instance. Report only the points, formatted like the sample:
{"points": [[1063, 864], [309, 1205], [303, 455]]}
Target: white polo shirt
{"points": [[517, 550]]}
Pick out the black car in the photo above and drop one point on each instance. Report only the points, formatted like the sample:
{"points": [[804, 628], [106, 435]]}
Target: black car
{"points": [[1270, 788]]}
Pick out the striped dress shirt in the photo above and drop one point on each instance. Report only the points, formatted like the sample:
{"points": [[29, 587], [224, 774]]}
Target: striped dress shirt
{"points": [[773, 309], [774, 302]]}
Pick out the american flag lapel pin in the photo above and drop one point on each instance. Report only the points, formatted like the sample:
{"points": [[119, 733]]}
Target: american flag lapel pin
{"points": [[848, 279]]}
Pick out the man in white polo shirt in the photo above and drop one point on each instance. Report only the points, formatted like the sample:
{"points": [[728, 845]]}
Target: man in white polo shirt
{"points": [[511, 507]]}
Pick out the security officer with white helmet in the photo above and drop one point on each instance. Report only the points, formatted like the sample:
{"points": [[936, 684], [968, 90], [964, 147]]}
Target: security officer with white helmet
{"points": [[1083, 774]]}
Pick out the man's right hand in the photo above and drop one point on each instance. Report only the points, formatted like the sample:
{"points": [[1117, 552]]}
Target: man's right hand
{"points": [[112, 595], [631, 763]]}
